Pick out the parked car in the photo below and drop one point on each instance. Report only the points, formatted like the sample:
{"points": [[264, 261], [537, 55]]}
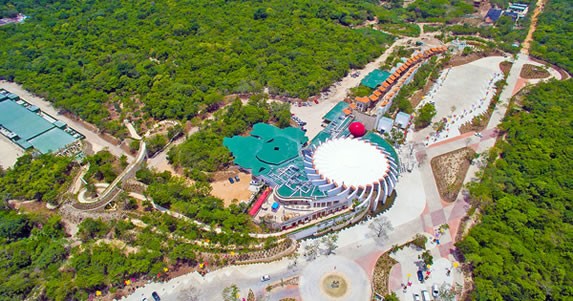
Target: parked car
{"points": [[435, 291], [237, 179], [426, 296], [416, 297], [420, 276], [265, 278], [231, 180], [155, 296]]}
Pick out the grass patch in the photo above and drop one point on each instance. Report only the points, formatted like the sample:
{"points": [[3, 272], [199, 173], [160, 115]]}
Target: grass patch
{"points": [[382, 273], [403, 29], [533, 72], [450, 170], [505, 66]]}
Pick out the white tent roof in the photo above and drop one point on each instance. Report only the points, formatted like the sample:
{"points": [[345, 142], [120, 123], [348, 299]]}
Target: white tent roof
{"points": [[385, 124], [403, 119], [350, 162]]}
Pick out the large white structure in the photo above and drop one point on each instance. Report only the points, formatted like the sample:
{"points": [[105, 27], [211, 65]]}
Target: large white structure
{"points": [[351, 170]]}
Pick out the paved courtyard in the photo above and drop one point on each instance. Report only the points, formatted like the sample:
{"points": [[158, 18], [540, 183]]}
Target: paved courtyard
{"points": [[461, 93], [315, 282]]}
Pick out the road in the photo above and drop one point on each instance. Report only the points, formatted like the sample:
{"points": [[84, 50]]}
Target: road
{"points": [[356, 243], [93, 138]]}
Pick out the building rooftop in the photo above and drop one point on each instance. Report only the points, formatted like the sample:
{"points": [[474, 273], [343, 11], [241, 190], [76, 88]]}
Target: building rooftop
{"points": [[493, 15], [267, 147], [335, 112], [375, 78], [351, 162]]}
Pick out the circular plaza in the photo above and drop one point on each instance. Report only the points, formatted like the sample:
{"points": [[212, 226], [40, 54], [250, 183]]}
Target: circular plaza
{"points": [[334, 278]]}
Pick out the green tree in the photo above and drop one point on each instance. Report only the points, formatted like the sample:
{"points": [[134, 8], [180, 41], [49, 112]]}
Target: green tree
{"points": [[231, 293], [425, 115]]}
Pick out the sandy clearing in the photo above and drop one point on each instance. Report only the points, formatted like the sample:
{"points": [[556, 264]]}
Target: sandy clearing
{"points": [[226, 191], [9, 152]]}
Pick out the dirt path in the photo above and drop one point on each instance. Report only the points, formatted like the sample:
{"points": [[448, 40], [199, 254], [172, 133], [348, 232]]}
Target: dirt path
{"points": [[527, 43]]}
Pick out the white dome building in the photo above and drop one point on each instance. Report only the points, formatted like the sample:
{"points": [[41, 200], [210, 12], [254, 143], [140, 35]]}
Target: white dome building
{"points": [[348, 170]]}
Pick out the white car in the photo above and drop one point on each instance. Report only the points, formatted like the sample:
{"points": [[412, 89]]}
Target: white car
{"points": [[265, 278], [435, 291], [416, 297]]}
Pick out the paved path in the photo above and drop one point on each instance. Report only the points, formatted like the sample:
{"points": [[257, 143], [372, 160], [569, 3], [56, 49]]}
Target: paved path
{"points": [[132, 132], [103, 199]]}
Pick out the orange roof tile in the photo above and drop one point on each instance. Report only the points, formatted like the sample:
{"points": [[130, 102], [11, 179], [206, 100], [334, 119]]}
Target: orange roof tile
{"points": [[352, 106], [373, 98], [347, 111], [377, 93], [362, 99], [385, 84]]}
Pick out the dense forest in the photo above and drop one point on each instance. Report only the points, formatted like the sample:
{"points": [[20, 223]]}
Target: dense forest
{"points": [[91, 57], [42, 178], [521, 250], [39, 262], [552, 39]]}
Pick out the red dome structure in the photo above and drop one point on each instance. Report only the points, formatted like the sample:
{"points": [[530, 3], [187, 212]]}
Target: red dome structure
{"points": [[357, 129]]}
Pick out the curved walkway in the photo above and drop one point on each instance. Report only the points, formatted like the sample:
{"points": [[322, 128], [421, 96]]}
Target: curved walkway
{"points": [[112, 191]]}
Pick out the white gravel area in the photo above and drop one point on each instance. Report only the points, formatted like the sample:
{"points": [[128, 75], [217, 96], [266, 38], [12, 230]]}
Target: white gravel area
{"points": [[463, 92]]}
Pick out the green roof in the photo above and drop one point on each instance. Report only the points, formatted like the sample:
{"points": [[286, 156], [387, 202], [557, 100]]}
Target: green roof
{"points": [[52, 140], [32, 129], [266, 148], [375, 78], [21, 121], [335, 112]]}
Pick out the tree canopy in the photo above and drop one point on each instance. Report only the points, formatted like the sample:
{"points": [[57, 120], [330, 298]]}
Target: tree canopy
{"points": [[42, 178], [552, 38], [521, 250], [89, 56]]}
